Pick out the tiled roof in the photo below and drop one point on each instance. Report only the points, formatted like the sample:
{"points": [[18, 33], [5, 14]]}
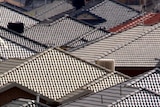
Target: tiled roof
{"points": [[147, 19], [132, 23], [50, 10], [106, 46], [141, 52], [128, 97], [55, 74], [21, 102], [10, 15], [63, 31], [149, 80], [18, 46], [123, 94], [10, 64], [139, 98], [114, 12], [22, 40]]}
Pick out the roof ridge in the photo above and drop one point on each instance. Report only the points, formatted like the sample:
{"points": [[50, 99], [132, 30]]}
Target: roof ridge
{"points": [[92, 42], [143, 76], [125, 97], [18, 44], [97, 80], [21, 36], [133, 40], [50, 49], [104, 77], [80, 37], [135, 23]]}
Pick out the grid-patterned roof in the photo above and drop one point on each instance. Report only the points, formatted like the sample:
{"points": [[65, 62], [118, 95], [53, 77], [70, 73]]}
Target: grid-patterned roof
{"points": [[17, 46], [149, 80], [19, 39], [63, 31], [142, 52], [108, 45], [10, 15], [125, 94], [114, 13], [139, 98], [53, 73], [50, 10]]}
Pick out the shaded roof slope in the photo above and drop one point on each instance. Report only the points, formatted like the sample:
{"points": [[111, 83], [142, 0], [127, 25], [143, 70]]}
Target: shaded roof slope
{"points": [[24, 102], [22, 40], [125, 94], [11, 15], [63, 31], [54, 73], [18, 46], [106, 46], [50, 10], [114, 13]]}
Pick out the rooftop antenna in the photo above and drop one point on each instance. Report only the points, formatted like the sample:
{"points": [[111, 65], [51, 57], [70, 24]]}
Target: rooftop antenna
{"points": [[143, 7]]}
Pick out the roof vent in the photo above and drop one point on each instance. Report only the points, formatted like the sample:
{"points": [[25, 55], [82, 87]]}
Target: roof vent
{"points": [[18, 27], [107, 63]]}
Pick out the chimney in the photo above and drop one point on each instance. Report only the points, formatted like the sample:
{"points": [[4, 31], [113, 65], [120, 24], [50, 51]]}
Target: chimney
{"points": [[107, 63], [18, 27]]}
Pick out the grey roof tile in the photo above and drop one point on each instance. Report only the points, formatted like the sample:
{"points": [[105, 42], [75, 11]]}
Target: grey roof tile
{"points": [[17, 46], [63, 31], [54, 73], [105, 46], [142, 52], [114, 13], [139, 98], [50, 10], [135, 92], [14, 50], [22, 40], [10, 15]]}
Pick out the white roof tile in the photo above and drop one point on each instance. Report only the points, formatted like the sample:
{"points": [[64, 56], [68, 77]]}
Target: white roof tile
{"points": [[54, 74]]}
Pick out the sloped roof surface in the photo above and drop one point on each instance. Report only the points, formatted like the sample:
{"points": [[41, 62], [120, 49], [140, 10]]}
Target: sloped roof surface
{"points": [[149, 80], [50, 10], [113, 12], [125, 94], [10, 15], [55, 74], [63, 31], [108, 45], [10, 64], [17, 46], [142, 97], [143, 52], [15, 50], [147, 19], [19, 39]]}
